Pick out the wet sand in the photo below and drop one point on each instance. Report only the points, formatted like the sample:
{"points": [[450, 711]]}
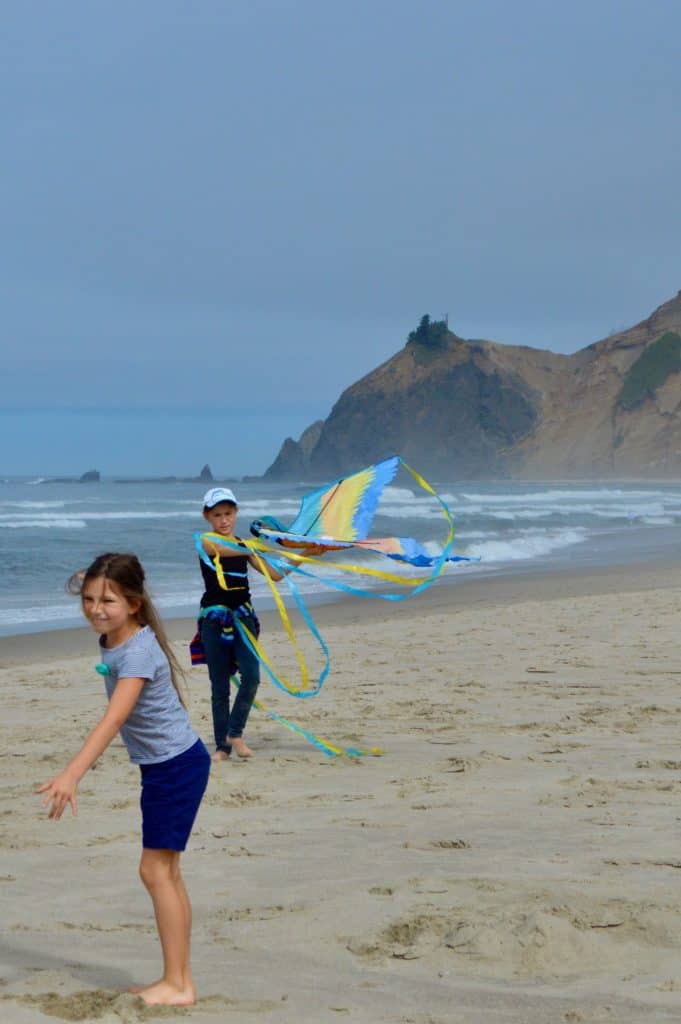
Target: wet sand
{"points": [[511, 857]]}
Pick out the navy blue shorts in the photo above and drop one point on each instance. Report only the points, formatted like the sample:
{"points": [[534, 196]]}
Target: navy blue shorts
{"points": [[171, 794]]}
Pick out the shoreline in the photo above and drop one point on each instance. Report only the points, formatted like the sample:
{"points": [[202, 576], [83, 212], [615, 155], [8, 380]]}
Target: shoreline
{"points": [[483, 591]]}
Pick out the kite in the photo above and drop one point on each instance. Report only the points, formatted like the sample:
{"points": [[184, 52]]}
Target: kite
{"points": [[335, 517], [339, 515]]}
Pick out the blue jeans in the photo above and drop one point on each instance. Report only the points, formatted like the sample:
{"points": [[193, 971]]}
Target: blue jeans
{"points": [[223, 659]]}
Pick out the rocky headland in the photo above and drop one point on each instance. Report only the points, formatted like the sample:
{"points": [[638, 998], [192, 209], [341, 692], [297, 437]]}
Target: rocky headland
{"points": [[472, 408]]}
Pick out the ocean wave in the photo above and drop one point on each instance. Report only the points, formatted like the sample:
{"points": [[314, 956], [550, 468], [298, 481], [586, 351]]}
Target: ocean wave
{"points": [[32, 504], [514, 515], [575, 495], [426, 509], [400, 494], [66, 520], [525, 546], [42, 524], [277, 507], [623, 513], [40, 615]]}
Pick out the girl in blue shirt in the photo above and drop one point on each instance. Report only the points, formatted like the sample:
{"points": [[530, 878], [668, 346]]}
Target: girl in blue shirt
{"points": [[145, 705]]}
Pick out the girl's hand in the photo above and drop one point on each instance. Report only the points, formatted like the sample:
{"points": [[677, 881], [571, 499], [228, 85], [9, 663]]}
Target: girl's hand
{"points": [[313, 550], [60, 791]]}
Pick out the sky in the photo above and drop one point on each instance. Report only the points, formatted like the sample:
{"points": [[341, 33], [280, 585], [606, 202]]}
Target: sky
{"points": [[216, 216]]}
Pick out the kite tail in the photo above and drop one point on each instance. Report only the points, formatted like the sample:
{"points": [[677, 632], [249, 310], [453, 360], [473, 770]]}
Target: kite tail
{"points": [[326, 747]]}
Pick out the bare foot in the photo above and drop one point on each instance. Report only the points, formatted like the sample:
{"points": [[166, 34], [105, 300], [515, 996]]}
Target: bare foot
{"points": [[161, 993], [136, 989], [240, 747], [221, 755]]}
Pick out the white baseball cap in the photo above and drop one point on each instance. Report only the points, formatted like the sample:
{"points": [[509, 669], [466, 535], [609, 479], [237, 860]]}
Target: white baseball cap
{"points": [[215, 495]]}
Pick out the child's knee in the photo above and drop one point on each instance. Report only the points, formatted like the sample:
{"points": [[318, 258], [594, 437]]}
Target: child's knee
{"points": [[148, 874], [250, 681], [155, 869]]}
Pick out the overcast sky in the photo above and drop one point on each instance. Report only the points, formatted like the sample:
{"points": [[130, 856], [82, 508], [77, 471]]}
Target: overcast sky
{"points": [[217, 215]]}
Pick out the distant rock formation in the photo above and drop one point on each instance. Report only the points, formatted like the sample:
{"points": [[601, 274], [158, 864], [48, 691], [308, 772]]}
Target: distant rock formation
{"points": [[204, 477], [460, 408], [294, 458], [90, 477], [94, 476]]}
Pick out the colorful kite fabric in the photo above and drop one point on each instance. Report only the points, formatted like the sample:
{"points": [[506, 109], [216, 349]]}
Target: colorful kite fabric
{"points": [[339, 515], [335, 517]]}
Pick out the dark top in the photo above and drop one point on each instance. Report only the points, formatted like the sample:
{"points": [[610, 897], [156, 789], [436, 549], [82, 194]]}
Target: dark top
{"points": [[235, 569]]}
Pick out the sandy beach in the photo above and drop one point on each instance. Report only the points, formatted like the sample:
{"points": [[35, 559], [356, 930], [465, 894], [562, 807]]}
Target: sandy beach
{"points": [[512, 856]]}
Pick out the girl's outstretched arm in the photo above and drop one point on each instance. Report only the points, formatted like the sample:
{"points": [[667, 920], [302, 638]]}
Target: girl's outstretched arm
{"points": [[212, 548], [61, 790], [310, 551]]}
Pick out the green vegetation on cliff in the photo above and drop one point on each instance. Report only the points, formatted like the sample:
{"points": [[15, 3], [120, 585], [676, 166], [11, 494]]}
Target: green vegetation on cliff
{"points": [[429, 332], [651, 370], [429, 340]]}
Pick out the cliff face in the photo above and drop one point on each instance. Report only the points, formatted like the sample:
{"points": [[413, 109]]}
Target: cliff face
{"points": [[457, 408], [586, 431], [293, 460], [450, 411]]}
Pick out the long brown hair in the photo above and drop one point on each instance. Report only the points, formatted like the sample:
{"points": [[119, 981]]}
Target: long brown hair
{"points": [[125, 573]]}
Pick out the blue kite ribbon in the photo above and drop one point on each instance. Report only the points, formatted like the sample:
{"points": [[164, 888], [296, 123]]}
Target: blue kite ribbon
{"points": [[312, 626], [326, 747]]}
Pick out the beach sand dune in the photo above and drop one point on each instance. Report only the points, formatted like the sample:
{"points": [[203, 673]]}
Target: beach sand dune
{"points": [[512, 857]]}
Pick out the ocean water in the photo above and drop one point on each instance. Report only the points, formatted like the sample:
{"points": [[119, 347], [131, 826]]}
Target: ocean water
{"points": [[49, 530]]}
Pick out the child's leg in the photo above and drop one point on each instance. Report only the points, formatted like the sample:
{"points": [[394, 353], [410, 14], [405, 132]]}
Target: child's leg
{"points": [[219, 658], [160, 872], [249, 675], [187, 907]]}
